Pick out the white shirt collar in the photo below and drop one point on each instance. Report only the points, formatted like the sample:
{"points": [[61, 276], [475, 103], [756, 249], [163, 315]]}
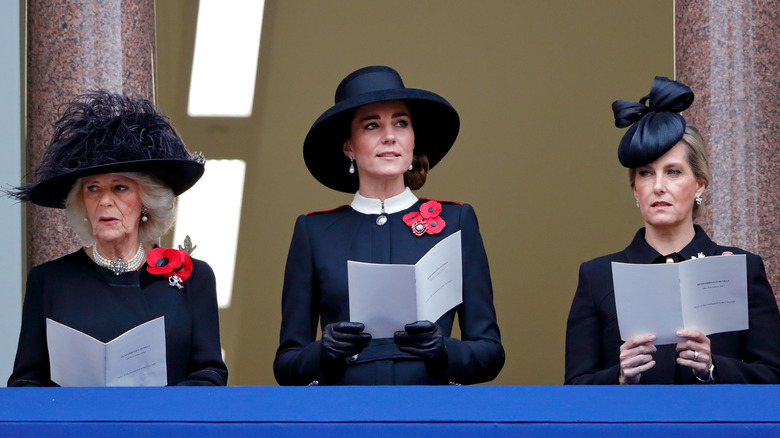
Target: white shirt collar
{"points": [[392, 205]]}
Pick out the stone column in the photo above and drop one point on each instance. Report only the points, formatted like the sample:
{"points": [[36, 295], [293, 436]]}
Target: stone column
{"points": [[728, 52], [74, 46]]}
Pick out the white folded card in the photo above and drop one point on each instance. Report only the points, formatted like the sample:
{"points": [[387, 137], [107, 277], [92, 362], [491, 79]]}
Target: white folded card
{"points": [[385, 297], [708, 294], [134, 358]]}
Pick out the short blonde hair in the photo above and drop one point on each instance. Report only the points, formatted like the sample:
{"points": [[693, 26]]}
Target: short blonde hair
{"points": [[155, 195], [698, 159]]}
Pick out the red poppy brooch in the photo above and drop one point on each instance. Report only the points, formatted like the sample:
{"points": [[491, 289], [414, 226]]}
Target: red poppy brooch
{"points": [[173, 264], [427, 220]]}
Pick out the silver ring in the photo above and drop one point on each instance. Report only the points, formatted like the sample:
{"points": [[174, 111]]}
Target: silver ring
{"points": [[695, 355]]}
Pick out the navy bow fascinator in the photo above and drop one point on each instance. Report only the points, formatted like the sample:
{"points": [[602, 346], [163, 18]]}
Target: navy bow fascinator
{"points": [[654, 128]]}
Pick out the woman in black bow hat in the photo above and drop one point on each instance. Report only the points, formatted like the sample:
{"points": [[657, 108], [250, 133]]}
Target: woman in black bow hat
{"points": [[378, 142], [116, 165], [668, 171]]}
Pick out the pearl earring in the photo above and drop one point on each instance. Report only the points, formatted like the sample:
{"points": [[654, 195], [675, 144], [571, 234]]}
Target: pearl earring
{"points": [[351, 165], [411, 167], [85, 220], [144, 212]]}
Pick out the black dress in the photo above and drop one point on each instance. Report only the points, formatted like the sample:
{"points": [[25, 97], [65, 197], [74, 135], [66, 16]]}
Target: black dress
{"points": [[315, 288], [593, 337], [75, 291]]}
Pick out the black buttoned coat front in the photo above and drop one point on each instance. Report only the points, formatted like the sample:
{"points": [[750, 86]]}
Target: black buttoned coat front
{"points": [[593, 337], [315, 290]]}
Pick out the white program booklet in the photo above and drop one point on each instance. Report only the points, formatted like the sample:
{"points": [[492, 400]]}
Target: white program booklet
{"points": [[707, 294], [134, 358], [385, 297]]}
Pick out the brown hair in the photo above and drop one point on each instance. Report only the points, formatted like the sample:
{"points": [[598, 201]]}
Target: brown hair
{"points": [[415, 178]]}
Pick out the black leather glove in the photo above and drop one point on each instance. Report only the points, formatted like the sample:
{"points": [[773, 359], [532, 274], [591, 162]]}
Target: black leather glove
{"points": [[423, 339], [343, 339]]}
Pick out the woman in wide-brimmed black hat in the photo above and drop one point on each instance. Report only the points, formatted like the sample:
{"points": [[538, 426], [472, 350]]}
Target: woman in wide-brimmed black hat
{"points": [[378, 142], [116, 166], [668, 172]]}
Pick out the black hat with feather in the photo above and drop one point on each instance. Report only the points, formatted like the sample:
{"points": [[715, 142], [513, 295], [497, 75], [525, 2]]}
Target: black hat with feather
{"points": [[656, 127], [102, 132]]}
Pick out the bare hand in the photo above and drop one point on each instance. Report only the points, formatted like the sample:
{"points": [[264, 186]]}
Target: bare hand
{"points": [[695, 352], [636, 357]]}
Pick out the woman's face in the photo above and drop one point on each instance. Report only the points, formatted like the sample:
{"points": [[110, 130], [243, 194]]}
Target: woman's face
{"points": [[382, 141], [666, 189], [113, 205]]}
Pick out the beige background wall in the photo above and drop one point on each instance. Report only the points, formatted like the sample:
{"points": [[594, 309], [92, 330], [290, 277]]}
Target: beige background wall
{"points": [[533, 82]]}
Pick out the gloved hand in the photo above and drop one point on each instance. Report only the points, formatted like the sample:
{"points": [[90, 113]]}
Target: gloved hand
{"points": [[343, 339], [423, 339]]}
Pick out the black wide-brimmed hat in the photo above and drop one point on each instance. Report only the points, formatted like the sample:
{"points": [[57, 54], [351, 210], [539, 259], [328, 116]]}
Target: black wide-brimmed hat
{"points": [[657, 127], [435, 123], [102, 132]]}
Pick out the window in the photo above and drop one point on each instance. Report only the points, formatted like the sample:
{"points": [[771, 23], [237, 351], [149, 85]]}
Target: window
{"points": [[210, 214]]}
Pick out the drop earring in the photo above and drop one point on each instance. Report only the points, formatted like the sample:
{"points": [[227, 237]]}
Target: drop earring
{"points": [[144, 212], [698, 200], [411, 167], [351, 165], [637, 203]]}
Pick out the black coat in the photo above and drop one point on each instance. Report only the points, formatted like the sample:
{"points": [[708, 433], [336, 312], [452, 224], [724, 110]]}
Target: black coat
{"points": [[315, 288], [593, 337], [75, 291]]}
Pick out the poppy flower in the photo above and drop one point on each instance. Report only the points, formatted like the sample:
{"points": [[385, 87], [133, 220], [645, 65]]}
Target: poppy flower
{"points": [[435, 225], [411, 218], [430, 209], [427, 220], [173, 264]]}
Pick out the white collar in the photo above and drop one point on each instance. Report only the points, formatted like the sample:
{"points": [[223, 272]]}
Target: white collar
{"points": [[391, 205]]}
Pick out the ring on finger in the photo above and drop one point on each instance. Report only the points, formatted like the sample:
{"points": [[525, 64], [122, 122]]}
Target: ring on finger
{"points": [[695, 355]]}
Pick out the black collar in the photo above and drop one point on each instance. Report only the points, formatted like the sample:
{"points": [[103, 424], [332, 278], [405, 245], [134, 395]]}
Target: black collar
{"points": [[639, 251]]}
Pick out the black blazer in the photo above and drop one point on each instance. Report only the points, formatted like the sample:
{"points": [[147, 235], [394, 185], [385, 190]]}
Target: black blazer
{"points": [[75, 291], [593, 337], [315, 288]]}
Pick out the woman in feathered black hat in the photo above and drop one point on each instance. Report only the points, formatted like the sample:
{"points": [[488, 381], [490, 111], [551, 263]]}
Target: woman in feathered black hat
{"points": [[668, 171], [116, 165], [378, 142]]}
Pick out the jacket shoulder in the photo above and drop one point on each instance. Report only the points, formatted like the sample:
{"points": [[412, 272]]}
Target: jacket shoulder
{"points": [[332, 210], [440, 201], [604, 261], [68, 261]]}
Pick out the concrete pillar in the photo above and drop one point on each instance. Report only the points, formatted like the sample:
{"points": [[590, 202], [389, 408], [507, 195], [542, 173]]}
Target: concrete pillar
{"points": [[728, 52], [74, 46]]}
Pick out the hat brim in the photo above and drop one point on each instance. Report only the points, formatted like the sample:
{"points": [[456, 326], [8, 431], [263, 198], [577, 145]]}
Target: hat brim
{"points": [[178, 174], [435, 122]]}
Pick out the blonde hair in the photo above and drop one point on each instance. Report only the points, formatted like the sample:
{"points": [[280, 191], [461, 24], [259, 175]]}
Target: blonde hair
{"points": [[697, 157], [156, 196]]}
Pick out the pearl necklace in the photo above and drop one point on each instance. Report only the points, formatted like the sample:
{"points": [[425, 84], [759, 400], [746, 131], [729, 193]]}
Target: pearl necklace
{"points": [[119, 266]]}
